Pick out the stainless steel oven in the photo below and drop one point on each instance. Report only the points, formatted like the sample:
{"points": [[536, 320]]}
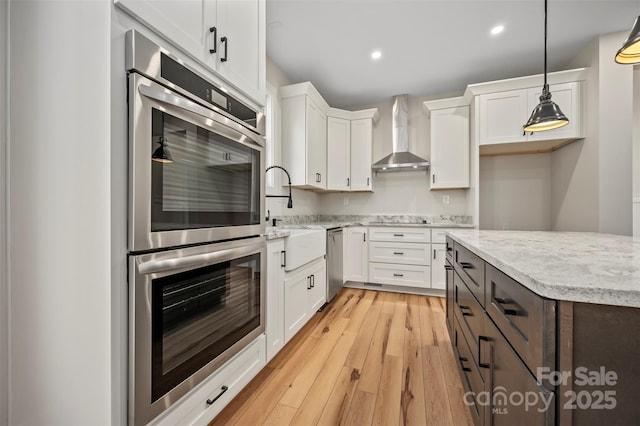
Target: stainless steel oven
{"points": [[191, 309], [207, 180]]}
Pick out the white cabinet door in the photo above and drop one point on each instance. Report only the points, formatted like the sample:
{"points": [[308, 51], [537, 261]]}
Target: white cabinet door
{"points": [[316, 146], [568, 96], [356, 263], [241, 45], [296, 309], [361, 154], [274, 329], [450, 148], [318, 291], [338, 154], [185, 23], [502, 116], [438, 273]]}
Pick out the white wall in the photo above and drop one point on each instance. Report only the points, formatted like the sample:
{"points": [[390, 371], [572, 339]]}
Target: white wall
{"points": [[4, 380], [591, 179], [60, 212], [403, 192], [636, 152], [304, 202], [515, 192]]}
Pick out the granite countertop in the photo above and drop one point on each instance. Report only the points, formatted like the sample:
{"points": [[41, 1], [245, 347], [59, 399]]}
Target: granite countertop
{"points": [[333, 225], [571, 266]]}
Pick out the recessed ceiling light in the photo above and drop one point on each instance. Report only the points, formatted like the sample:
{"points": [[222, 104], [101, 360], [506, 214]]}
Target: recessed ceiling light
{"points": [[376, 54], [497, 29]]}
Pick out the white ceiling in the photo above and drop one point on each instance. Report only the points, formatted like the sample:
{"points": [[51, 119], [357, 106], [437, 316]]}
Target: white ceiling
{"points": [[429, 47]]}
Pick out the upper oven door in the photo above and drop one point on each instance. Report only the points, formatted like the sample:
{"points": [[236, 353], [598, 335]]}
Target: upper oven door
{"points": [[213, 190]]}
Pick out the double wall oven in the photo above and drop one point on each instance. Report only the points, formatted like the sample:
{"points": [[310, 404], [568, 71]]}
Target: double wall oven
{"points": [[196, 203]]}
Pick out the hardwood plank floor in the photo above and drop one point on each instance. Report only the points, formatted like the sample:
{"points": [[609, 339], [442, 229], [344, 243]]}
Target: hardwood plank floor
{"points": [[369, 358]]}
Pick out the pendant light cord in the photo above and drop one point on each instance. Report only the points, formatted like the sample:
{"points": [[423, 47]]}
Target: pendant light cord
{"points": [[545, 46]]}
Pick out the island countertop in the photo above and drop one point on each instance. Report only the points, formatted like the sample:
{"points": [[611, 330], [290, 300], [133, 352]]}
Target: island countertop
{"points": [[571, 266]]}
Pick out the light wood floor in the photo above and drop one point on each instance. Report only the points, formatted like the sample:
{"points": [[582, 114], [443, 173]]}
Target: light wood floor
{"points": [[370, 358]]}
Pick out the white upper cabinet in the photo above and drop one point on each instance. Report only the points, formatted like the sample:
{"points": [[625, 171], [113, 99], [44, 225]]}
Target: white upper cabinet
{"points": [[227, 36], [325, 148], [362, 153], [450, 148], [304, 135], [502, 115], [338, 154]]}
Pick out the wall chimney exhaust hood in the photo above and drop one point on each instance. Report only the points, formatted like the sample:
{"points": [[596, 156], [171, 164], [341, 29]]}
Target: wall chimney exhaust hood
{"points": [[400, 160]]}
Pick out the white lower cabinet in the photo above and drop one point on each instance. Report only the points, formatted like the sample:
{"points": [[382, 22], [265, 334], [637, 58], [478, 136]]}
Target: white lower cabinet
{"points": [[304, 293], [438, 273], [235, 374], [396, 274], [356, 257], [274, 329]]}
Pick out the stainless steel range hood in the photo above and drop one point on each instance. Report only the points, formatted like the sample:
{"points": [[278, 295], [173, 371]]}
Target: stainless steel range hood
{"points": [[400, 160]]}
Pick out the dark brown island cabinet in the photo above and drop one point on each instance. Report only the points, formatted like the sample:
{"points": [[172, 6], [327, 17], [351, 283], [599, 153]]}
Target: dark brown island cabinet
{"points": [[528, 360]]}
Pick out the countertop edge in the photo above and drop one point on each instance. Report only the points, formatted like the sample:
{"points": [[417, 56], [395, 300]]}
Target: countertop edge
{"points": [[560, 292]]}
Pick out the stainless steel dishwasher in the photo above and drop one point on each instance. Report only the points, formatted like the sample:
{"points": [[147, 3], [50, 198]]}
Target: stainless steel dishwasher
{"points": [[334, 262]]}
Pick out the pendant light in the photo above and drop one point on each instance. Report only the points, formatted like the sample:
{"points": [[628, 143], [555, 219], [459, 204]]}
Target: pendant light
{"points": [[162, 154], [546, 115], [629, 53]]}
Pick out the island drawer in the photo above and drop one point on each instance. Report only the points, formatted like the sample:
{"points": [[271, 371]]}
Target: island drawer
{"points": [[401, 253], [470, 314], [526, 319], [449, 249], [471, 270], [400, 234], [471, 378]]}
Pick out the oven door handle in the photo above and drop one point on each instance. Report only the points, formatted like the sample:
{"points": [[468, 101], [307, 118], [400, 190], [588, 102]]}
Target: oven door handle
{"points": [[194, 261], [162, 95]]}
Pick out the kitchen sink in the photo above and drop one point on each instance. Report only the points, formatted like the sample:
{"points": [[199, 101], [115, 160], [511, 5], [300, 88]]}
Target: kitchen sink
{"points": [[304, 245]]}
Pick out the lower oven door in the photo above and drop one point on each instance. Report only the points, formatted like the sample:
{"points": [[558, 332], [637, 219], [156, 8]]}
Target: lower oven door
{"points": [[191, 310]]}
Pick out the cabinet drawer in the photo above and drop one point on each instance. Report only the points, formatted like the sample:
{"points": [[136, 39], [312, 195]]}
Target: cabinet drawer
{"points": [[235, 375], [471, 270], [449, 249], [400, 234], [470, 314], [526, 319], [401, 253], [471, 378], [405, 275]]}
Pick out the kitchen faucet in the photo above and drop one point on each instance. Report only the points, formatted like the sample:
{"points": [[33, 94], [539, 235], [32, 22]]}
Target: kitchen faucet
{"points": [[290, 203]]}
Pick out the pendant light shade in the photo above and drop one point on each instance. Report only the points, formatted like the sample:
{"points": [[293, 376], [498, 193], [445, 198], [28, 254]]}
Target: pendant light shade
{"points": [[629, 53], [162, 154], [547, 114]]}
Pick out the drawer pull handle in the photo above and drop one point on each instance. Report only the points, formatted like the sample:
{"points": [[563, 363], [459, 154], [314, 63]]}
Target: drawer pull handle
{"points": [[398, 275], [398, 253], [499, 303], [464, 359], [480, 363], [466, 265], [222, 391], [465, 314], [466, 369], [398, 235], [449, 248], [448, 267]]}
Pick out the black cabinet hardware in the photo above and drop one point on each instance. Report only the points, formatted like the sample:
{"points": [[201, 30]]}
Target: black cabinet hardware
{"points": [[499, 303], [226, 47], [214, 30], [222, 391], [466, 265], [464, 359], [309, 283], [434, 254], [448, 267], [364, 237], [398, 275], [398, 253], [368, 181], [313, 281], [398, 235], [284, 258], [480, 363]]}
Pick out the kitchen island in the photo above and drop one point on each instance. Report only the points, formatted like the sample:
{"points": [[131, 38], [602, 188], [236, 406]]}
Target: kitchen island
{"points": [[546, 325]]}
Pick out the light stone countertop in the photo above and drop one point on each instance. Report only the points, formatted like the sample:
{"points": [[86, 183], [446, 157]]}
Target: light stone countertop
{"points": [[333, 225], [570, 266]]}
